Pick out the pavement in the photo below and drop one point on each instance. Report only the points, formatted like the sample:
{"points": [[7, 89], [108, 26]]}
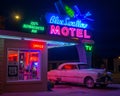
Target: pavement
{"points": [[71, 90]]}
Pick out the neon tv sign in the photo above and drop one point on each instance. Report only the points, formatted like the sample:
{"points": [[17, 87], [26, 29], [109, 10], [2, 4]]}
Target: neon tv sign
{"points": [[88, 47], [54, 19], [34, 26], [69, 31]]}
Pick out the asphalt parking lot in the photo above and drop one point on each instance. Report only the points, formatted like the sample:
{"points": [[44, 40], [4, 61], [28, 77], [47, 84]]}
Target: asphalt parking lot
{"points": [[73, 90]]}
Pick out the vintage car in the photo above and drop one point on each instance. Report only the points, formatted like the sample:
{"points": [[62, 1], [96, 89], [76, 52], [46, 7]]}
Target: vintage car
{"points": [[78, 72]]}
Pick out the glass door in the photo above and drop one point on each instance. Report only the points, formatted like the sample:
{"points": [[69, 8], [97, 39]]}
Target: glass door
{"points": [[29, 64]]}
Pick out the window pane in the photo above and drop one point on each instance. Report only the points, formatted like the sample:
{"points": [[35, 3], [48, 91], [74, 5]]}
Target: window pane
{"points": [[12, 56], [34, 63], [12, 64], [29, 64], [24, 72]]}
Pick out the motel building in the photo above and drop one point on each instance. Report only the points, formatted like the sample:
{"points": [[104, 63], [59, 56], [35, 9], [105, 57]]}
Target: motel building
{"points": [[24, 55]]}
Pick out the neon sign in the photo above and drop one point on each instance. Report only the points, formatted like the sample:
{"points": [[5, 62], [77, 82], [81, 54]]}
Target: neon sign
{"points": [[54, 19], [34, 26], [69, 31], [37, 45], [88, 47], [69, 11]]}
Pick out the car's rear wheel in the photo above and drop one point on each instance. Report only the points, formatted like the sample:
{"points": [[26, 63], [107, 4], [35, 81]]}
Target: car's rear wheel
{"points": [[89, 82]]}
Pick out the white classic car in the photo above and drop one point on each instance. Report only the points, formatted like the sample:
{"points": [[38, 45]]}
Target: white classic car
{"points": [[78, 72]]}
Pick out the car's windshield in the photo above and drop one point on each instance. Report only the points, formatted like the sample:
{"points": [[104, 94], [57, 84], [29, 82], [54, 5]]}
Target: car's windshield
{"points": [[82, 66]]}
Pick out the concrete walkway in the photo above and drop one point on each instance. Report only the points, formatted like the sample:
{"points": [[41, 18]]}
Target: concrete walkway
{"points": [[68, 90]]}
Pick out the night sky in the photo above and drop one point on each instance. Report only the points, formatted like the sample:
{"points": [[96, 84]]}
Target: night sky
{"points": [[106, 13]]}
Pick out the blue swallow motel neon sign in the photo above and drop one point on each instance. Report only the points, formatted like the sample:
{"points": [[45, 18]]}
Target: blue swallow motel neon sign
{"points": [[54, 19], [67, 27]]}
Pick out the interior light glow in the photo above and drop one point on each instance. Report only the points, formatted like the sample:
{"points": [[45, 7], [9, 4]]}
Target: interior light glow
{"points": [[33, 58], [12, 57], [34, 26], [36, 63], [68, 67], [27, 58]]}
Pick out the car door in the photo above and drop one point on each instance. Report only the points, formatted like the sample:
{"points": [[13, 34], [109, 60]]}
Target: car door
{"points": [[69, 73]]}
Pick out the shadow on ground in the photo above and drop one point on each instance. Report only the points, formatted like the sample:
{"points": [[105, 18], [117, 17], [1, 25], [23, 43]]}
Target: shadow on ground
{"points": [[69, 85]]}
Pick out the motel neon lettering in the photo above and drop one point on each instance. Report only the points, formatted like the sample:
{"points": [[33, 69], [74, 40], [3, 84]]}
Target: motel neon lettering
{"points": [[66, 31], [67, 22]]}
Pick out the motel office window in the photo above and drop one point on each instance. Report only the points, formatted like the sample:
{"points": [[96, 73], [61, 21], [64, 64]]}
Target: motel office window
{"points": [[23, 64]]}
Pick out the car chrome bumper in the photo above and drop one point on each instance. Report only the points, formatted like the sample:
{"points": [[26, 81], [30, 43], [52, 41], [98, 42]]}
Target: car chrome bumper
{"points": [[104, 80]]}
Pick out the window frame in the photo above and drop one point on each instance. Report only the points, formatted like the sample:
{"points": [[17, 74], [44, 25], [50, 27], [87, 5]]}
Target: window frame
{"points": [[18, 62]]}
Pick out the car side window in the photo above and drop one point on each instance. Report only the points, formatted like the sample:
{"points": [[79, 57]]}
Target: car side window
{"points": [[82, 66], [69, 67]]}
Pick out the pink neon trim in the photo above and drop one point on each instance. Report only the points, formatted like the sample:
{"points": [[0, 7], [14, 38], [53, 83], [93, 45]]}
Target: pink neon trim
{"points": [[72, 30], [65, 31], [55, 30], [85, 35], [79, 33]]}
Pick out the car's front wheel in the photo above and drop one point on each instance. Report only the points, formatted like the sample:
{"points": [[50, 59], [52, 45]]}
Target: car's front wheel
{"points": [[89, 82]]}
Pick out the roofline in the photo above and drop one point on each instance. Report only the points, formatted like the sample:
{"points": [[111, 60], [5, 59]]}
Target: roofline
{"points": [[43, 36]]}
